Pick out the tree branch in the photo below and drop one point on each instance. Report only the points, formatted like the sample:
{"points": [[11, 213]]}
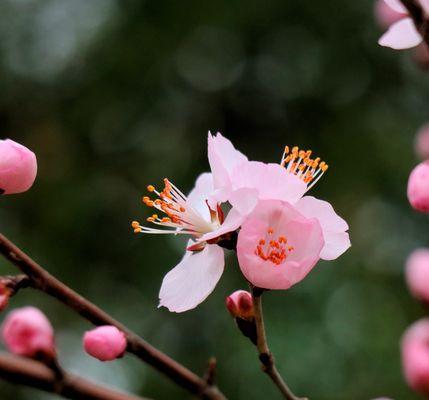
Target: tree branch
{"points": [[416, 12], [35, 374], [45, 282], [265, 355]]}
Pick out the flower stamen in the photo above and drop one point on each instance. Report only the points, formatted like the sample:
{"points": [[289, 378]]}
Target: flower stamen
{"points": [[273, 250], [299, 163], [179, 216]]}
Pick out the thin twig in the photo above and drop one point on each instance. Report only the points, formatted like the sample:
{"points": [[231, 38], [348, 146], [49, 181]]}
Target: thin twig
{"points": [[417, 13], [265, 355], [35, 374], [45, 282]]}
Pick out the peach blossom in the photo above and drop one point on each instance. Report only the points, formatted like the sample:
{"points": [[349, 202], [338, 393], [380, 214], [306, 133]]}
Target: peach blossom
{"points": [[18, 167], [402, 34], [106, 343], [278, 246], [27, 332]]}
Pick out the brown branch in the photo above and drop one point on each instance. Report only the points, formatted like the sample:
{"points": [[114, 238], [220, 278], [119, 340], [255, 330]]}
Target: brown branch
{"points": [[45, 282], [265, 355], [32, 373], [416, 12]]}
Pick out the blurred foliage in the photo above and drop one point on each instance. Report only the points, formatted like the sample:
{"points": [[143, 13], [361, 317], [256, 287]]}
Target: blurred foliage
{"points": [[113, 95]]}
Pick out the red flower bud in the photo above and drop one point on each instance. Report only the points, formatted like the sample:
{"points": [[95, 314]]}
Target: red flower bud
{"points": [[240, 304]]}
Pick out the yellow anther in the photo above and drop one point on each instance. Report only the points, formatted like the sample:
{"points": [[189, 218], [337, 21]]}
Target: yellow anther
{"points": [[151, 188], [286, 150], [165, 220], [150, 219], [155, 216], [135, 224]]}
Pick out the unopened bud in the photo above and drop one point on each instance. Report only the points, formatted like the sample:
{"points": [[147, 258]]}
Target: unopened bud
{"points": [[27, 332], [240, 305], [106, 343]]}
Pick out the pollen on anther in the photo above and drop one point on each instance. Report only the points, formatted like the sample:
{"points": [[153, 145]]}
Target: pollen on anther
{"points": [[135, 224], [151, 188]]}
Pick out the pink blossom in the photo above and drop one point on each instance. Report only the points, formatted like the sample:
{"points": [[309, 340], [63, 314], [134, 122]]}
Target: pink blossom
{"points": [[18, 167], [106, 343], [278, 246], [243, 184], [418, 187], [27, 332], [289, 182], [240, 304], [417, 274], [415, 356], [421, 142], [386, 15], [403, 33]]}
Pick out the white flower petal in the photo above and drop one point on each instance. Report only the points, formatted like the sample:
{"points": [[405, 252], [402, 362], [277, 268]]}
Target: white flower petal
{"points": [[192, 280], [401, 35], [200, 193]]}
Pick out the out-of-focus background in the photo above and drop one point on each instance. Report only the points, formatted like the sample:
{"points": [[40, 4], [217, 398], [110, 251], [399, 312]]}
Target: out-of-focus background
{"points": [[113, 95]]}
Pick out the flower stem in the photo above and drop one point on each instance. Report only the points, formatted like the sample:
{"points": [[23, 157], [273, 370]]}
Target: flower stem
{"points": [[265, 355]]}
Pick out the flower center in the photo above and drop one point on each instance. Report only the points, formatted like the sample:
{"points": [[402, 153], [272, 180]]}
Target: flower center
{"points": [[177, 213], [299, 163], [271, 249]]}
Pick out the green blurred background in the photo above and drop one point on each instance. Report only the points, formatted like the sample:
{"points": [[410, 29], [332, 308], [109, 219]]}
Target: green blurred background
{"points": [[114, 95]]}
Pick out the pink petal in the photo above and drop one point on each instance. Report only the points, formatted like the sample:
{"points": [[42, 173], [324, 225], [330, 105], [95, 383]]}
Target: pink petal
{"points": [[192, 280], [334, 228], [305, 235], [401, 35], [270, 180], [397, 6], [244, 200], [223, 157]]}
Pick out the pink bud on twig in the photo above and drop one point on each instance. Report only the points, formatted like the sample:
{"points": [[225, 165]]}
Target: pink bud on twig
{"points": [[105, 343], [27, 332]]}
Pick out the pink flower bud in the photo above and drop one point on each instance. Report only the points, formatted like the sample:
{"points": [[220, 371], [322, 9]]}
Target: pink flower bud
{"points": [[105, 343], [421, 142], [418, 187], [27, 332], [386, 15], [415, 356], [240, 304], [18, 167], [417, 274]]}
